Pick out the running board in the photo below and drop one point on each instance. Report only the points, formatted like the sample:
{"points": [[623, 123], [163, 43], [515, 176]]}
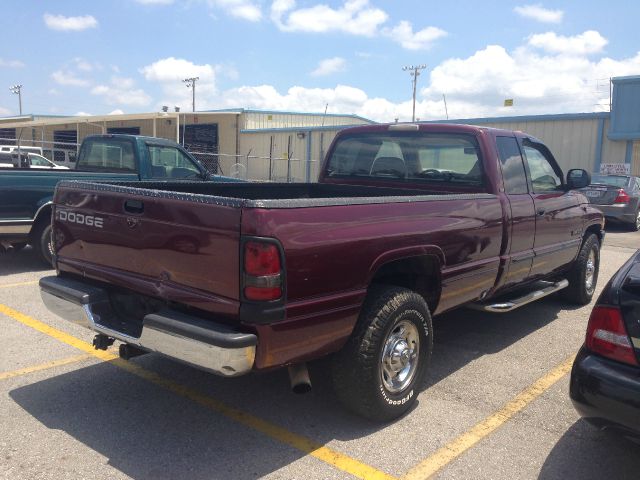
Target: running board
{"points": [[507, 306]]}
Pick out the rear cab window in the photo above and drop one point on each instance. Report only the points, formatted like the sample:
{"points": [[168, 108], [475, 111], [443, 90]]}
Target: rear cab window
{"points": [[415, 157], [109, 155], [513, 172]]}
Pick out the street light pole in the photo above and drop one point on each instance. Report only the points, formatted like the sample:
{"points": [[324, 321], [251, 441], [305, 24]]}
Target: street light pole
{"points": [[191, 83], [17, 89], [414, 71]]}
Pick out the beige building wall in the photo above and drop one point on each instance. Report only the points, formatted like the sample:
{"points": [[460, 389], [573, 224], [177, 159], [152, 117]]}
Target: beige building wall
{"points": [[572, 142]]}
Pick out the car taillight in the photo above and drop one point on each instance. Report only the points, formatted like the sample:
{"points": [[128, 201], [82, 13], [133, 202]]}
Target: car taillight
{"points": [[607, 335], [262, 271], [622, 197]]}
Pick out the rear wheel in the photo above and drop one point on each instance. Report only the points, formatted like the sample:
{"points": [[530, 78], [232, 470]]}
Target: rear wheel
{"points": [[379, 371], [635, 226], [43, 243], [583, 275]]}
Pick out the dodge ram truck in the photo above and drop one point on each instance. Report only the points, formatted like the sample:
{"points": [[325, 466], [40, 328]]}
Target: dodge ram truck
{"points": [[406, 221], [26, 194]]}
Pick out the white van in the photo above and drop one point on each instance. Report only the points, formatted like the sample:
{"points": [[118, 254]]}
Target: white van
{"points": [[26, 149]]}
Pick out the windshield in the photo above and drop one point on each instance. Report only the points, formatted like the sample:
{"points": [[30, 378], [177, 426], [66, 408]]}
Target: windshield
{"points": [[612, 180], [408, 156]]}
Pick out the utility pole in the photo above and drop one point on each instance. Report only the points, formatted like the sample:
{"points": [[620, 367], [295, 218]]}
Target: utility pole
{"points": [[191, 83], [414, 71], [17, 89]]}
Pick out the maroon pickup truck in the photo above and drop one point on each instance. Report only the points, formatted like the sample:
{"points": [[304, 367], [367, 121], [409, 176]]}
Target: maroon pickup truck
{"points": [[407, 221]]}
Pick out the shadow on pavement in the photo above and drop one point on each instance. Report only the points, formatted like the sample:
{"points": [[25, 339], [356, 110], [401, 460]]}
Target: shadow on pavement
{"points": [[25, 260], [148, 432], [587, 453], [464, 335]]}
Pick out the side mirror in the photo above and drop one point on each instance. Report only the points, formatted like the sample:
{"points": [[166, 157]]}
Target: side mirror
{"points": [[578, 178]]}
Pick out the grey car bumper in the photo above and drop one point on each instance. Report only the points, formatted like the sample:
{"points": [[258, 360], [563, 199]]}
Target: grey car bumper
{"points": [[620, 211], [204, 344]]}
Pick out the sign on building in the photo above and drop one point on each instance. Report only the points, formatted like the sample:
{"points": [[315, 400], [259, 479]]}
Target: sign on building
{"points": [[615, 168]]}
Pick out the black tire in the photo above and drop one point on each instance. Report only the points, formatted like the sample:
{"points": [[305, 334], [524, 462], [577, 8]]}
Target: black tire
{"points": [[42, 243], [635, 226], [580, 291], [359, 378]]}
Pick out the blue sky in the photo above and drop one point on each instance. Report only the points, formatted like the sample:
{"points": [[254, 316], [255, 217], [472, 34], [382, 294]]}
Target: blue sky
{"points": [[100, 57]]}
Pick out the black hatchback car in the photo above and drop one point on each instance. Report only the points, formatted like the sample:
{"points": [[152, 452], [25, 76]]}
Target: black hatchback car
{"points": [[605, 379]]}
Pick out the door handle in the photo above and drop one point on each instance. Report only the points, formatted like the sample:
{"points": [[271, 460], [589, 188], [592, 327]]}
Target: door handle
{"points": [[134, 206], [541, 211]]}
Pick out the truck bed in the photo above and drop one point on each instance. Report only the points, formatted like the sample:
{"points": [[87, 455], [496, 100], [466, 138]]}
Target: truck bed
{"points": [[186, 236]]}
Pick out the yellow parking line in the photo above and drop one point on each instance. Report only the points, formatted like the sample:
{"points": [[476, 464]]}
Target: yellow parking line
{"points": [[43, 366], [430, 466], [21, 284], [306, 445]]}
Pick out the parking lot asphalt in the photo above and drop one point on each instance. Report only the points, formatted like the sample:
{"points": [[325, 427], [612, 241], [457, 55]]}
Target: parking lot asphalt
{"points": [[495, 404]]}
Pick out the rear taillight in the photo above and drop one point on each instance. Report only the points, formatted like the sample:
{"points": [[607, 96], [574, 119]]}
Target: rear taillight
{"points": [[607, 335], [262, 271], [622, 197]]}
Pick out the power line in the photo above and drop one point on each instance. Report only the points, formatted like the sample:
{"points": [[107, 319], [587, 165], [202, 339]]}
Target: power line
{"points": [[191, 83], [415, 73]]}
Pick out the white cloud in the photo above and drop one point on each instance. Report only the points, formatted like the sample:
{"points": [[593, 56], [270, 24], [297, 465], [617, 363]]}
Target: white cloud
{"points": [[169, 73], [540, 82], [62, 23], [11, 63], [584, 43], [122, 91], [173, 69], [4, 111], [421, 40], [82, 64], [539, 13], [329, 66], [82, 114], [244, 9], [68, 78], [355, 17], [117, 111]]}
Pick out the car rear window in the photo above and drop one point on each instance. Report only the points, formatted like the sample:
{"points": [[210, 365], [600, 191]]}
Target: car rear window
{"points": [[110, 154], [408, 156], [612, 180]]}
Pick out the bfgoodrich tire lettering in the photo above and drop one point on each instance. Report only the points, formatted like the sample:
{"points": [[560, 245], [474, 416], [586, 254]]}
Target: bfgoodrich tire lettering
{"points": [[379, 372], [583, 275]]}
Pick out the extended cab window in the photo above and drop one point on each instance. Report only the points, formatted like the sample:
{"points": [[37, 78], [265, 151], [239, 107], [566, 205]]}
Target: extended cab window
{"points": [[408, 156], [543, 176], [513, 173], [110, 154], [169, 162]]}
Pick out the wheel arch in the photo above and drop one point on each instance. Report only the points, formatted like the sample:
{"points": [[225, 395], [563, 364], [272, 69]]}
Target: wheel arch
{"points": [[417, 269]]}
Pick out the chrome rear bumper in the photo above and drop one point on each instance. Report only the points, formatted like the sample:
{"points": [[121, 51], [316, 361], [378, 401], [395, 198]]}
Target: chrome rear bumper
{"points": [[204, 344]]}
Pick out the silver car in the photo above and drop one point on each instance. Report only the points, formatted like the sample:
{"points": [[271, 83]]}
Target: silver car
{"points": [[617, 196]]}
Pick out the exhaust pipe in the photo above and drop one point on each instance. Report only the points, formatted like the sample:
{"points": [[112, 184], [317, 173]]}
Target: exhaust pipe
{"points": [[299, 377]]}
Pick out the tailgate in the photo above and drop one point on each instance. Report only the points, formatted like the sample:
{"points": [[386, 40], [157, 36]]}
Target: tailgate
{"points": [[601, 194], [177, 247]]}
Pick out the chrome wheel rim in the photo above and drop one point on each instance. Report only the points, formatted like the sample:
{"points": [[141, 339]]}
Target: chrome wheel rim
{"points": [[638, 221], [590, 270], [399, 361]]}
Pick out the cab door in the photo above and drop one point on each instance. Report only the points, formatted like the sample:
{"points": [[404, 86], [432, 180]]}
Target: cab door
{"points": [[521, 212], [558, 216]]}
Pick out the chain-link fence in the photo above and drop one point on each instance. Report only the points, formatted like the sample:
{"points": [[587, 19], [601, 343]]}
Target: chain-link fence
{"points": [[245, 167]]}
